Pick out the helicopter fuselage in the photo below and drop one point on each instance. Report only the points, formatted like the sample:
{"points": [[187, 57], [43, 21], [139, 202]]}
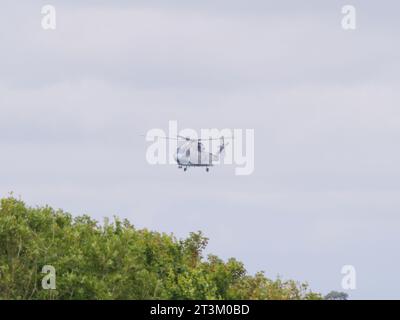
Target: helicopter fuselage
{"points": [[193, 155]]}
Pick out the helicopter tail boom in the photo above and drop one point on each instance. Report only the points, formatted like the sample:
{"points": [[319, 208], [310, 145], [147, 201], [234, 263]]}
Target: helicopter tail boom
{"points": [[221, 148]]}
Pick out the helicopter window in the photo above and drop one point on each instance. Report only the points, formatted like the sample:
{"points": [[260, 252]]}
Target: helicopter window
{"points": [[188, 153]]}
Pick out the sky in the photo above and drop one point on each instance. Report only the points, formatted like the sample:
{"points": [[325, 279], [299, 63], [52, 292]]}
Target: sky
{"points": [[323, 103]]}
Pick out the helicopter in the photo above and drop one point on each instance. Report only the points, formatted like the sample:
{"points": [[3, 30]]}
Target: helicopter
{"points": [[192, 153]]}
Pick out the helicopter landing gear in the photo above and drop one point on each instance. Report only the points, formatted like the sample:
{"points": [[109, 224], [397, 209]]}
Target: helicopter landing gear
{"points": [[207, 169]]}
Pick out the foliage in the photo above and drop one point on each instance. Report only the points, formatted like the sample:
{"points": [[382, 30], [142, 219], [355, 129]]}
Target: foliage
{"points": [[117, 261], [336, 295]]}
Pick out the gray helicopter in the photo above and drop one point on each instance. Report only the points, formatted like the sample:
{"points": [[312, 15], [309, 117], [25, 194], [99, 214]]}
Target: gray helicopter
{"points": [[193, 154]]}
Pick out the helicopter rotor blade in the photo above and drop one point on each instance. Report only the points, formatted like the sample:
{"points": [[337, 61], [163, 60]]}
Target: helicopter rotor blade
{"points": [[187, 138], [159, 137], [205, 139]]}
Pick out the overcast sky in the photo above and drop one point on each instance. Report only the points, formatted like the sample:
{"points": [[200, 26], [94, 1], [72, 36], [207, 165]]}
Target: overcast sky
{"points": [[324, 104]]}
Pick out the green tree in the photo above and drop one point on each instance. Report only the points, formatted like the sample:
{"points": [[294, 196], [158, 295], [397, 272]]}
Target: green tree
{"points": [[114, 260], [336, 295]]}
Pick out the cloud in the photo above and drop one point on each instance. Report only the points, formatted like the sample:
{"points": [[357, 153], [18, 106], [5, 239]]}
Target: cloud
{"points": [[323, 103]]}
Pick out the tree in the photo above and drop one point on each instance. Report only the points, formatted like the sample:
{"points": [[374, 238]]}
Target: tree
{"points": [[336, 295], [114, 260]]}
